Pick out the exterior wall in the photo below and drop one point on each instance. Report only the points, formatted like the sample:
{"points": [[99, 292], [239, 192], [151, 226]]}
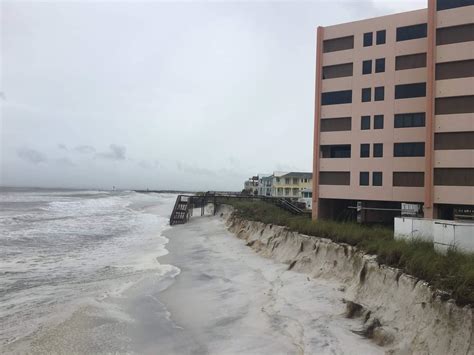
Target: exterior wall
{"points": [[429, 195], [281, 187], [454, 122]]}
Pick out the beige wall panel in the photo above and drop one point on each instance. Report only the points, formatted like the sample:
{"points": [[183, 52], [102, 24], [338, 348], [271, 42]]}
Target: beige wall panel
{"points": [[417, 104], [454, 123], [454, 52], [408, 164], [337, 84], [455, 87], [462, 195], [457, 16], [417, 75], [454, 159]]}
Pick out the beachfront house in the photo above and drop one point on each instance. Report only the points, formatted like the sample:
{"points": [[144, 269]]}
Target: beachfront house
{"points": [[291, 184]]}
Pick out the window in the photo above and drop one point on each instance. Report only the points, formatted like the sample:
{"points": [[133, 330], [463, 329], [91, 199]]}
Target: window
{"points": [[287, 181], [455, 34], [277, 179], [366, 94], [408, 179], [454, 104], [380, 65], [454, 176], [379, 93], [412, 32], [454, 70], [338, 44], [410, 61], [451, 4], [367, 39], [336, 97], [367, 67], [295, 181], [365, 122], [334, 178], [378, 122], [337, 71], [378, 150], [381, 37], [409, 149], [377, 178], [454, 141], [336, 124], [365, 150], [406, 91], [336, 151], [364, 178], [403, 120]]}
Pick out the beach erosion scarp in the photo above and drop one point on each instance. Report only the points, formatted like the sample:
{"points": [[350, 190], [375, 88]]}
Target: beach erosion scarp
{"points": [[399, 312]]}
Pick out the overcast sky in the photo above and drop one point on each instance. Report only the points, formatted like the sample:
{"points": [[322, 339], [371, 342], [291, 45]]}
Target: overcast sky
{"points": [[162, 95]]}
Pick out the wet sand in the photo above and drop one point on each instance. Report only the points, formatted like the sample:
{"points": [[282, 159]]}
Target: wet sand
{"points": [[229, 300]]}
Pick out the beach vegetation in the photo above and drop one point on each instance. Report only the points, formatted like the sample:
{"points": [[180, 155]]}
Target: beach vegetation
{"points": [[452, 272]]}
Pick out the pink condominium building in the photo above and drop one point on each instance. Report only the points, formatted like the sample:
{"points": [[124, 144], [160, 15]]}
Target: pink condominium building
{"points": [[394, 113]]}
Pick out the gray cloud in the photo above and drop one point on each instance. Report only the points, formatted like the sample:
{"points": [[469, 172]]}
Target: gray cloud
{"points": [[193, 169], [84, 149], [155, 164], [62, 147], [65, 162], [31, 155], [116, 152]]}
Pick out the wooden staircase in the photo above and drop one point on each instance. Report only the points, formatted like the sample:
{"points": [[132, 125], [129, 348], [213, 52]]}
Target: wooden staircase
{"points": [[181, 210]]}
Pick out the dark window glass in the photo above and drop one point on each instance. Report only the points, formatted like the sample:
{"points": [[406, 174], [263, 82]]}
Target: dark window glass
{"points": [[365, 150], [410, 61], [378, 122], [412, 32], [377, 178], [334, 178], [380, 65], [454, 176], [455, 34], [451, 4], [366, 94], [454, 104], [454, 70], [408, 179], [379, 93], [403, 120], [454, 141], [406, 91], [336, 151], [367, 39], [337, 71], [381, 37], [366, 67], [409, 149], [378, 150], [365, 122], [338, 44], [364, 178], [336, 124], [336, 97]]}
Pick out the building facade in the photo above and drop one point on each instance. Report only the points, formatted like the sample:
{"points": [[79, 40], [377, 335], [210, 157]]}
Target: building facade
{"points": [[291, 184], [394, 113], [265, 185]]}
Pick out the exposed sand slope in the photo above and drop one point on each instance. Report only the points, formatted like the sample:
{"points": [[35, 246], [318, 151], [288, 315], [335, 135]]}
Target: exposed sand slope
{"points": [[403, 314]]}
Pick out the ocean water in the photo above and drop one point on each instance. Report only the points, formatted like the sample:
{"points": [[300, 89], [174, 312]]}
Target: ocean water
{"points": [[67, 257]]}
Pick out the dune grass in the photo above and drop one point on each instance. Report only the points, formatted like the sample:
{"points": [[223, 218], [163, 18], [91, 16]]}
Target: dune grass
{"points": [[452, 273]]}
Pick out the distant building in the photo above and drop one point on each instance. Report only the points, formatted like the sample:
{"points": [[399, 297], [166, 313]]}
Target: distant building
{"points": [[251, 185], [394, 114], [265, 184], [291, 184]]}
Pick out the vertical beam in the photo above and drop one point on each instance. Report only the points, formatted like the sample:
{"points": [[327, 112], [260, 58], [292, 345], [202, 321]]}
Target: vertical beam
{"points": [[430, 105], [317, 117]]}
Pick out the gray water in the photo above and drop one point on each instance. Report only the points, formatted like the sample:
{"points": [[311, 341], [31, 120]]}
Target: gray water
{"points": [[67, 257]]}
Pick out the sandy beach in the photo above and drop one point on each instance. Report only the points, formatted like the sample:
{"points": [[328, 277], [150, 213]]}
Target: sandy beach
{"points": [[229, 300]]}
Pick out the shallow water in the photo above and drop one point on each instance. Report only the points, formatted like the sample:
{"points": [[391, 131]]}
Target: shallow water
{"points": [[63, 252]]}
